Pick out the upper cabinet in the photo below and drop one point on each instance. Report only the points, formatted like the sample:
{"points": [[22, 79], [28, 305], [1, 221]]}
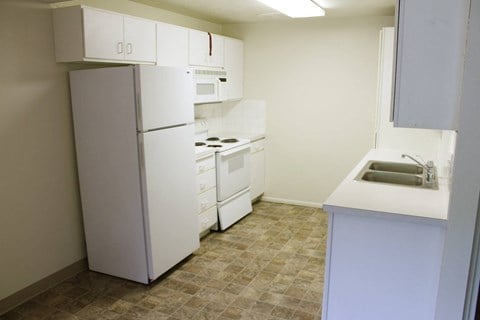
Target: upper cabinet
{"points": [[431, 36], [172, 45], [206, 49], [234, 68], [87, 34]]}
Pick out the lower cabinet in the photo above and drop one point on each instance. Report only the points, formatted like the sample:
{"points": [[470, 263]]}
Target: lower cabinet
{"points": [[257, 167], [206, 193], [381, 266]]}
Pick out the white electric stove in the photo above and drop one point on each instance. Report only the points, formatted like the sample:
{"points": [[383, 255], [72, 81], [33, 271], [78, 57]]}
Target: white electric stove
{"points": [[232, 157]]}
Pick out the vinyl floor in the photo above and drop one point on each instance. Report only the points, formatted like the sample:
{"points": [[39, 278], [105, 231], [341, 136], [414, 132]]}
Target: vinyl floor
{"points": [[270, 265]]}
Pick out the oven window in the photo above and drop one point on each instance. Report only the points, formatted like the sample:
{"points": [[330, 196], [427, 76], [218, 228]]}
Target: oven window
{"points": [[205, 89], [235, 164]]}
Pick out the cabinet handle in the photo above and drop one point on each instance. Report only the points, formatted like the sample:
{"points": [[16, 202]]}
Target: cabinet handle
{"points": [[203, 205], [119, 47], [202, 186], [210, 44], [129, 48], [201, 168]]}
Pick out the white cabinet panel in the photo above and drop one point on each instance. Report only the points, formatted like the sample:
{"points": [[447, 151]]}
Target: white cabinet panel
{"points": [[172, 45], [206, 49], [381, 266], [206, 164], [431, 36], [103, 35], [206, 181], [139, 37], [234, 68], [257, 159], [88, 34], [207, 199], [207, 219]]}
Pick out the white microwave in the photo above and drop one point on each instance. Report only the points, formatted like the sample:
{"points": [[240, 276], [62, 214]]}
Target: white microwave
{"points": [[209, 85]]}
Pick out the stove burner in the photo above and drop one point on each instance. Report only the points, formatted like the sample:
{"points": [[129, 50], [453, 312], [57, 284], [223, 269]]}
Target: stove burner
{"points": [[214, 146], [233, 140], [199, 144], [213, 139]]}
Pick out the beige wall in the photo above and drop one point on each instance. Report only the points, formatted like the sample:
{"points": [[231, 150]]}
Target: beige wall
{"points": [[40, 216], [319, 80]]}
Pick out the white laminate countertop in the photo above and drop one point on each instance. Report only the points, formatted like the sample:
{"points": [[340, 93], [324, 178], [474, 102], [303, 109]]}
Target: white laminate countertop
{"points": [[202, 152], [387, 198]]}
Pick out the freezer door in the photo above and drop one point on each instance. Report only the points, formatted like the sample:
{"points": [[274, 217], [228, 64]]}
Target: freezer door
{"points": [[170, 199], [164, 97]]}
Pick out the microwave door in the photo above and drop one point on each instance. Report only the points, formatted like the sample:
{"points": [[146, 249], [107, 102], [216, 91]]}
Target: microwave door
{"points": [[206, 91]]}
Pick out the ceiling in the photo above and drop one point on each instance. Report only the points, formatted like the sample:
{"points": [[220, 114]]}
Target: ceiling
{"points": [[239, 11]]}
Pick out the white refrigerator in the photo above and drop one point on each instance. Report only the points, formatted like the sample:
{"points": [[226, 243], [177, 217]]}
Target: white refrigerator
{"points": [[134, 137]]}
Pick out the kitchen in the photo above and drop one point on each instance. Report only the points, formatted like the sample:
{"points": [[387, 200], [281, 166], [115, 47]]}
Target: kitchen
{"points": [[298, 127]]}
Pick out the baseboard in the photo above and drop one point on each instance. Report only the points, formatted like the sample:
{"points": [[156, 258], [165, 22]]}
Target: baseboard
{"points": [[293, 202], [38, 287]]}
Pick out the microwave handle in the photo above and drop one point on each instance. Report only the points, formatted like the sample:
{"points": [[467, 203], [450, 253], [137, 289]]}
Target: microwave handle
{"points": [[222, 80]]}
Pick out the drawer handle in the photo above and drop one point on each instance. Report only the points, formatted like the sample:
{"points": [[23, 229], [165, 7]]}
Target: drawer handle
{"points": [[204, 205], [201, 168], [120, 47], [202, 186]]}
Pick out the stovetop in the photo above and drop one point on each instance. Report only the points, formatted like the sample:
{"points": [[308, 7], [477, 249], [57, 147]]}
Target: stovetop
{"points": [[220, 144]]}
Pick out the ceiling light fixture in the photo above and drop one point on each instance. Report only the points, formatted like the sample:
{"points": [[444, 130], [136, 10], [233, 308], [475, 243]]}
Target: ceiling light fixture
{"points": [[296, 8]]}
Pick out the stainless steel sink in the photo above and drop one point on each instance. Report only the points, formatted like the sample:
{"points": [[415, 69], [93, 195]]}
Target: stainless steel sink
{"points": [[395, 167], [396, 173], [393, 178]]}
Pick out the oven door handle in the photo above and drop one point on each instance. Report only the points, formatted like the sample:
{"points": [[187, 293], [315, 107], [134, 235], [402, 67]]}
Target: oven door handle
{"points": [[235, 150]]}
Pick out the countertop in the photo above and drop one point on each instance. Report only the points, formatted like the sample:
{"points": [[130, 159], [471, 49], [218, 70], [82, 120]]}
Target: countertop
{"points": [[386, 198], [202, 152]]}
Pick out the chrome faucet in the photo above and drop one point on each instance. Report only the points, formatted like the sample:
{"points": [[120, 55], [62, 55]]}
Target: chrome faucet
{"points": [[429, 167]]}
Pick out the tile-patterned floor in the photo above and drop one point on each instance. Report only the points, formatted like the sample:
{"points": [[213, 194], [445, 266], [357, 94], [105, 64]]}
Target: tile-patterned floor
{"points": [[268, 266]]}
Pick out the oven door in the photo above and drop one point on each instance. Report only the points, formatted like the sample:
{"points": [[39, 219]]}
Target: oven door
{"points": [[233, 171], [207, 90]]}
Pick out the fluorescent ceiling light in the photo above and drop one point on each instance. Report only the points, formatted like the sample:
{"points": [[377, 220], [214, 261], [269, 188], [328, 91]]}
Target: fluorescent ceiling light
{"points": [[296, 8]]}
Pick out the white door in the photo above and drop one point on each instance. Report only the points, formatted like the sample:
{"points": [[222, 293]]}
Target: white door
{"points": [[199, 48], [171, 205], [218, 50], [103, 35], [165, 97], [140, 40], [172, 45], [234, 68]]}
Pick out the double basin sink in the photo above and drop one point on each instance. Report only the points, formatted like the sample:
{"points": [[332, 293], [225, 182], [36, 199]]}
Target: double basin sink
{"points": [[397, 173]]}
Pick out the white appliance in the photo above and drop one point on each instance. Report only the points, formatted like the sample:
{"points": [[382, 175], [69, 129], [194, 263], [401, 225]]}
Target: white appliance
{"points": [[232, 158], [134, 138], [209, 85]]}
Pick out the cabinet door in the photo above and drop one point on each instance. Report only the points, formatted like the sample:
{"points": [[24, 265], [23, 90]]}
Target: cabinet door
{"points": [[234, 68], [257, 160], [200, 53], [199, 48], [172, 45], [429, 65], [140, 40], [103, 35], [216, 59]]}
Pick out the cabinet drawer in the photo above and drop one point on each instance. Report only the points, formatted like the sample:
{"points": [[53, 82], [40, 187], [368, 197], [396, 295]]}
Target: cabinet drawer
{"points": [[207, 219], [206, 181], [206, 164], [207, 199]]}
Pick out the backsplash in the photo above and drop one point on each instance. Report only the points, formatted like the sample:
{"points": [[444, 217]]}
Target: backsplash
{"points": [[246, 116]]}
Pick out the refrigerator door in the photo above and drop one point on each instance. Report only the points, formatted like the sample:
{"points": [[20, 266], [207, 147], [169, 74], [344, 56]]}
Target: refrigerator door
{"points": [[170, 198], [164, 97]]}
